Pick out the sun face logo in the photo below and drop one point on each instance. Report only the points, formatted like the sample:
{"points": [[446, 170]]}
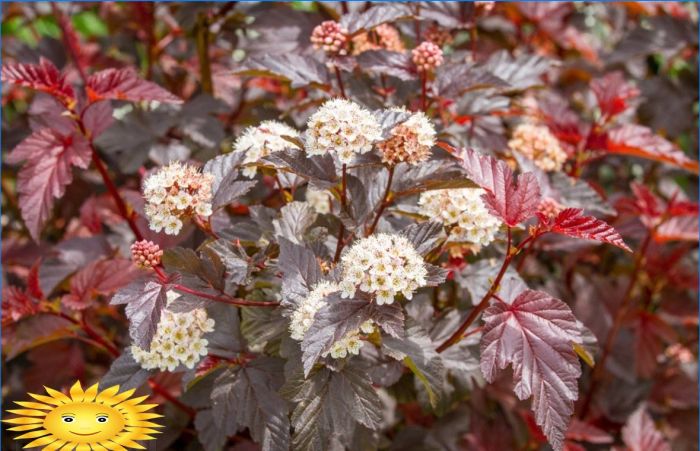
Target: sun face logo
{"points": [[87, 419]]}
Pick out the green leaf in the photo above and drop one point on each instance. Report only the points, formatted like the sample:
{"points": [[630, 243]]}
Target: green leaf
{"points": [[89, 24]]}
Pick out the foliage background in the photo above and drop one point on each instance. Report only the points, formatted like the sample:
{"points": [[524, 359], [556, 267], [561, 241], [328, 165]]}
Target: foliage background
{"points": [[235, 65]]}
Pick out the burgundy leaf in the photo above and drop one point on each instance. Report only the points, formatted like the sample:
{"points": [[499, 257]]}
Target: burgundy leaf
{"points": [[125, 84], [101, 277], [639, 141], [512, 202], [48, 158], [572, 222], [535, 334], [145, 301], [43, 77], [640, 434], [613, 92], [97, 118]]}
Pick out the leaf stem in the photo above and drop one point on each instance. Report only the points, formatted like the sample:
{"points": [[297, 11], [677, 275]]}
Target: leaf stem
{"points": [[385, 202], [424, 90], [481, 306], [343, 205], [341, 87], [224, 298], [615, 328]]}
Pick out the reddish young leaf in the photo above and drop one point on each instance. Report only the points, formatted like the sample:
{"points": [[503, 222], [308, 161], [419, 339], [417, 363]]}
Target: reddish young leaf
{"points": [[48, 158], [510, 201], [125, 84], [639, 141], [43, 77], [640, 434], [535, 334], [102, 277], [571, 222], [679, 228], [613, 92], [16, 304]]}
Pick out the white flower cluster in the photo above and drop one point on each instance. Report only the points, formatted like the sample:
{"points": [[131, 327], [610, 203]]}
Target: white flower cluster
{"points": [[178, 340], [176, 192], [538, 144], [351, 343], [464, 209], [384, 265], [303, 318], [320, 200], [343, 128], [261, 141]]}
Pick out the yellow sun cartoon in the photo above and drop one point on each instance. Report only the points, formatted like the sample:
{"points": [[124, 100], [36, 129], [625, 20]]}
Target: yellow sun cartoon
{"points": [[86, 420]]}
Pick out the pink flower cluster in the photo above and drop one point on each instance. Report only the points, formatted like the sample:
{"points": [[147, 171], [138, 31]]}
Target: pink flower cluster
{"points": [[427, 56], [146, 254], [330, 37]]}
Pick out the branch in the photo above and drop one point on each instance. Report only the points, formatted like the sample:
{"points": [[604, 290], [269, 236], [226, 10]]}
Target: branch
{"points": [[384, 204]]}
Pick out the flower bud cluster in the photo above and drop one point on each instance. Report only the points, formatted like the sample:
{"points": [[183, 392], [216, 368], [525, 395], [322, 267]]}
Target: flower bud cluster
{"points": [[383, 36], [261, 141], [538, 144], [382, 265], [146, 254], [177, 341], [465, 210], [410, 141], [427, 56], [174, 193], [330, 37], [343, 128]]}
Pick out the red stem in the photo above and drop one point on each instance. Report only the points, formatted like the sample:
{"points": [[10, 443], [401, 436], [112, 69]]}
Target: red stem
{"points": [[224, 298], [343, 202], [340, 82], [424, 90], [384, 204], [474, 314], [162, 391]]}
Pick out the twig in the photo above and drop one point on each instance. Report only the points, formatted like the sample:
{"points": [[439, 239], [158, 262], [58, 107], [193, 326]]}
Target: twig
{"points": [[343, 204], [202, 40], [424, 90], [225, 298], [383, 204], [473, 315], [340, 82]]}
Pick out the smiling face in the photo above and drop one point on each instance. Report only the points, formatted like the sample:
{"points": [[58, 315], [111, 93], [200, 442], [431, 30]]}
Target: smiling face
{"points": [[82, 422]]}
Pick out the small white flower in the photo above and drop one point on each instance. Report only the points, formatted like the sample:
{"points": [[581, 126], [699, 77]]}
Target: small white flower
{"points": [[382, 265], [465, 210], [342, 128], [178, 340], [262, 140]]}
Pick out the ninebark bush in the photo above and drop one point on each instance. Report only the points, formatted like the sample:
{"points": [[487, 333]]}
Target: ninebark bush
{"points": [[360, 225]]}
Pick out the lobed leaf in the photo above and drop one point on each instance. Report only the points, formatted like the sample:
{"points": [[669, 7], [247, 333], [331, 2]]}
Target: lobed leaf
{"points": [[48, 160], [639, 141], [125, 84], [571, 222], [512, 202], [355, 22], [145, 300], [247, 398], [44, 77], [640, 434], [534, 334], [299, 70]]}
